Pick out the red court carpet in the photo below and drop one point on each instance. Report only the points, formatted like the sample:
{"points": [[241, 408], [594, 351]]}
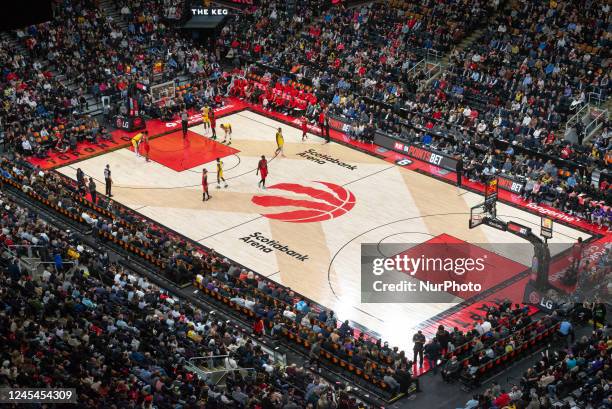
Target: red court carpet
{"points": [[181, 154]]}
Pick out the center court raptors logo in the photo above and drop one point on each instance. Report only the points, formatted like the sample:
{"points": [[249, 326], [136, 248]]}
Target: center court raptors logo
{"points": [[314, 205]]}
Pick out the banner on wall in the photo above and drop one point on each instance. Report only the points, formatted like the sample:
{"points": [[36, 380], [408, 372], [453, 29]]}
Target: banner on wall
{"points": [[421, 153], [510, 184], [339, 124]]}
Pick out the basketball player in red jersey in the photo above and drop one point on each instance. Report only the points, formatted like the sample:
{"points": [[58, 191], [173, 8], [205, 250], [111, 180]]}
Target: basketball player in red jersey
{"points": [[213, 125], [322, 123], [262, 171], [304, 128], [205, 194]]}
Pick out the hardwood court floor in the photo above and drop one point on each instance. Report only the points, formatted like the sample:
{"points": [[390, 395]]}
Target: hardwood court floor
{"points": [[335, 198]]}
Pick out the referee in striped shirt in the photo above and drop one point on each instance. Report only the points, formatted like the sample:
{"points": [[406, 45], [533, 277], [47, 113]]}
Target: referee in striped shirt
{"points": [[108, 180]]}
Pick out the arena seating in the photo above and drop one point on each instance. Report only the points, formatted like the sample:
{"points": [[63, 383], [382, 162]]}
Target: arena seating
{"points": [[119, 339], [501, 105], [551, 77], [376, 31], [561, 377], [518, 97], [308, 325], [482, 363], [50, 115], [524, 85], [135, 335], [35, 103]]}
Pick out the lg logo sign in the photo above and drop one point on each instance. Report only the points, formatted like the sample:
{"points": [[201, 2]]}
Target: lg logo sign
{"points": [[122, 123], [536, 299]]}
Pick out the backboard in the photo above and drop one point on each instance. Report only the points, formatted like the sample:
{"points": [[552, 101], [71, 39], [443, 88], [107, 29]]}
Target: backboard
{"points": [[477, 215], [546, 227]]}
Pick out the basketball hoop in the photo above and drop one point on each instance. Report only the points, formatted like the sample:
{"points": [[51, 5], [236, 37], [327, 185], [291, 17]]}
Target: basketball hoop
{"points": [[477, 215], [476, 220]]}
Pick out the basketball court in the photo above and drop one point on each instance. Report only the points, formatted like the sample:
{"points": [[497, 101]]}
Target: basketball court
{"points": [[323, 201]]}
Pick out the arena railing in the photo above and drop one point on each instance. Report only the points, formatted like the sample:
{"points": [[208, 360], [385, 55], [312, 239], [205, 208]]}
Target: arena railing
{"points": [[502, 143], [499, 363], [293, 332]]}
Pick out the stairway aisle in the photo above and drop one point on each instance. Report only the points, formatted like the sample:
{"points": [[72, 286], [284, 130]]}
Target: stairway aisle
{"points": [[444, 62]]}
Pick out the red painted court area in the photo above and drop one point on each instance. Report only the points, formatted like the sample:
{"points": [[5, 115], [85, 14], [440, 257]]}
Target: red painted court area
{"points": [[463, 263], [501, 279], [180, 153], [121, 139]]}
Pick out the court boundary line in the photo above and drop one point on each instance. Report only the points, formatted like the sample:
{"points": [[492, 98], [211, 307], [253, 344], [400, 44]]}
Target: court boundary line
{"points": [[595, 235]]}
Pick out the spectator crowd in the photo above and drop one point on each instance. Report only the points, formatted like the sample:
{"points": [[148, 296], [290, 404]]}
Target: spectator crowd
{"points": [[56, 68], [121, 341], [501, 104], [562, 378], [277, 307]]}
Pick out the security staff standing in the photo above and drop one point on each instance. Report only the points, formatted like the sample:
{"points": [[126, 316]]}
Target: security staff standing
{"points": [[419, 346], [92, 190], [326, 126], [599, 315], [80, 177], [459, 170], [108, 181]]}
